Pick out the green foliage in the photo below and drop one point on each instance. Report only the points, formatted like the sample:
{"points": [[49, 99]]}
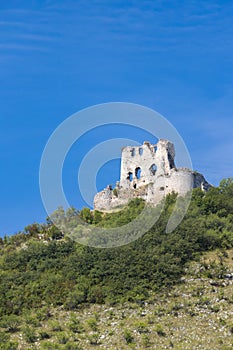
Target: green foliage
{"points": [[128, 336], [11, 323], [123, 216], [97, 217], [92, 323], [54, 233], [32, 320], [115, 192], [55, 326], [4, 337], [94, 339], [54, 270], [78, 294], [29, 334], [70, 345], [49, 346], [43, 314], [86, 215], [33, 230], [75, 325], [44, 335], [159, 330], [62, 337], [74, 299], [9, 345], [141, 327], [146, 341]]}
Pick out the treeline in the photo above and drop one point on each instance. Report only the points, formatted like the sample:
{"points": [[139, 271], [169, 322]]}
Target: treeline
{"points": [[41, 267]]}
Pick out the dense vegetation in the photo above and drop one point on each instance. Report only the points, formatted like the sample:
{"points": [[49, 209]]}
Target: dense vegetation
{"points": [[40, 267]]}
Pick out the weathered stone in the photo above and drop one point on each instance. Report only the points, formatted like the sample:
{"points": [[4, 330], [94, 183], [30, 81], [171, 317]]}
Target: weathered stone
{"points": [[149, 172]]}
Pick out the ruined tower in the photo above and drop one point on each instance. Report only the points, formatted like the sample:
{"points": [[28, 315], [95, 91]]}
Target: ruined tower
{"points": [[148, 172]]}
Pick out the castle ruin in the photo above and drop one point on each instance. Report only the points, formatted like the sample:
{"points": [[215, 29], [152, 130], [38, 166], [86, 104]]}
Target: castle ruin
{"points": [[148, 172]]}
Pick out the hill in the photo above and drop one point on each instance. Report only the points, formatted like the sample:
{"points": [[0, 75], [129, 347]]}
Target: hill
{"points": [[162, 291]]}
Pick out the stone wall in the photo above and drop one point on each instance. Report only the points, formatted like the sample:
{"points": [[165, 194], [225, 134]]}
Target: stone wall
{"points": [[148, 172], [141, 165]]}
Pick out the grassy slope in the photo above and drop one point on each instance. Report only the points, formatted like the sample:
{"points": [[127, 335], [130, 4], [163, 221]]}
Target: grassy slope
{"points": [[162, 291], [196, 314]]}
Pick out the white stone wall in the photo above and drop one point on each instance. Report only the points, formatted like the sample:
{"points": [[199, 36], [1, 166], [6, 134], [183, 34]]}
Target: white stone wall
{"points": [[152, 160], [152, 186]]}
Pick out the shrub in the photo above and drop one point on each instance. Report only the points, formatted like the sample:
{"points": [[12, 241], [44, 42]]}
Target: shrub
{"points": [[44, 335], [11, 323], [72, 346], [4, 337], [94, 339], [159, 330], [43, 314], [128, 336], [86, 215], [141, 327], [29, 334], [146, 341], [92, 323], [49, 346], [9, 345], [32, 320], [74, 299], [62, 337], [75, 325], [55, 326]]}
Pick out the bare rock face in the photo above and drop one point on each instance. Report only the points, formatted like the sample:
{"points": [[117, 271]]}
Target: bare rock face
{"points": [[148, 172]]}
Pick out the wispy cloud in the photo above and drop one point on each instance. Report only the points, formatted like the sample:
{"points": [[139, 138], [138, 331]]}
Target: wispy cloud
{"points": [[36, 37], [25, 30], [14, 47], [11, 23]]}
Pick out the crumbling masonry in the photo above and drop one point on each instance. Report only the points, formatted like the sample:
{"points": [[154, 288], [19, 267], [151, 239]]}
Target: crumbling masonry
{"points": [[148, 172]]}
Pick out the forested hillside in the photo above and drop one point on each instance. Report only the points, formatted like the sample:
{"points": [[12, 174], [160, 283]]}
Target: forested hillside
{"points": [[41, 270]]}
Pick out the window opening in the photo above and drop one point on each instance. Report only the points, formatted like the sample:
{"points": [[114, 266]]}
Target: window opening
{"points": [[138, 173], [153, 169], [130, 176]]}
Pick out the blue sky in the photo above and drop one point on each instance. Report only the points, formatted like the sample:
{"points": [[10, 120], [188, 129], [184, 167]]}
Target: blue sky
{"points": [[57, 57]]}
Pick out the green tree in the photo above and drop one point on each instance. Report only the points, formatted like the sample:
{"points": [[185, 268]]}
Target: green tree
{"points": [[86, 215]]}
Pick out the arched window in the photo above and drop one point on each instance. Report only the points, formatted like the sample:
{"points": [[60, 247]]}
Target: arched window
{"points": [[132, 152], [153, 169], [155, 148], [138, 173], [140, 151], [130, 176]]}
